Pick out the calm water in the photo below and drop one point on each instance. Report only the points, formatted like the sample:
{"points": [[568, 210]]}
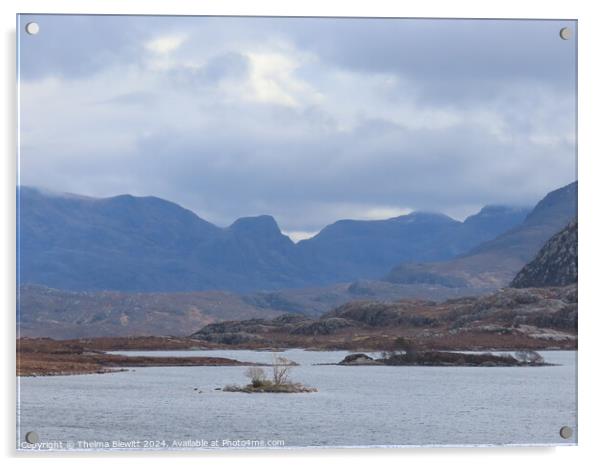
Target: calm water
{"points": [[158, 407]]}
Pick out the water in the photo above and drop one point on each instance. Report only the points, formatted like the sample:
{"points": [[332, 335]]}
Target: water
{"points": [[355, 406]]}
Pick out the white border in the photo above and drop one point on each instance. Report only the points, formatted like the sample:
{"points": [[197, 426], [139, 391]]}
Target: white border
{"points": [[590, 103]]}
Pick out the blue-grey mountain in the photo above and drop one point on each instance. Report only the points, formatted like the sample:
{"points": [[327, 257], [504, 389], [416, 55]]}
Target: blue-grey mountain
{"points": [[494, 263], [129, 243], [352, 249]]}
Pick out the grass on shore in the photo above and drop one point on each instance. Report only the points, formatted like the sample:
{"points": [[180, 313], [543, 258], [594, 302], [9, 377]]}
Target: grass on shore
{"points": [[267, 386]]}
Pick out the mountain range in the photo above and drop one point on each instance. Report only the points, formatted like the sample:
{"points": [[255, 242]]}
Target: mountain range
{"points": [[493, 264], [60, 313], [147, 244]]}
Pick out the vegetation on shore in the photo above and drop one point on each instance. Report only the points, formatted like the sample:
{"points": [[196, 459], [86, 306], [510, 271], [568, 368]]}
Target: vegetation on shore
{"points": [[279, 383], [406, 353], [44, 356]]}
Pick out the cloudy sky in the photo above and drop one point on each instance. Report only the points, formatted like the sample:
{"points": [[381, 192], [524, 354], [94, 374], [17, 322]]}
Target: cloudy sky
{"points": [[309, 120]]}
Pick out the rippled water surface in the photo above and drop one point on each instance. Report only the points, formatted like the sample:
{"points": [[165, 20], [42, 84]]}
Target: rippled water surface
{"points": [[158, 406]]}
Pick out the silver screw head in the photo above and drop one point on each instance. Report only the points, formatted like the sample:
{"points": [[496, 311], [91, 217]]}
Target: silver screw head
{"points": [[565, 33], [566, 432], [32, 28], [32, 437]]}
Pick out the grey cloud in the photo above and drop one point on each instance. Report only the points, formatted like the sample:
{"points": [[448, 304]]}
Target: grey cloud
{"points": [[308, 165], [464, 49], [131, 98], [74, 46], [300, 179]]}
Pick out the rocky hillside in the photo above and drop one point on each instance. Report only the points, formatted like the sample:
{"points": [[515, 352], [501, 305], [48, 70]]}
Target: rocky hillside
{"points": [[55, 313], [555, 264], [75, 314], [129, 243], [495, 263], [509, 318]]}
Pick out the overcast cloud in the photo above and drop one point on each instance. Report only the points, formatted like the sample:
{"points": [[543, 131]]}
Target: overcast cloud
{"points": [[309, 120]]}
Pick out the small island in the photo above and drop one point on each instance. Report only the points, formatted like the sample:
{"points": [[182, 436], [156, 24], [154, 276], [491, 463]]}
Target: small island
{"points": [[279, 383], [407, 354]]}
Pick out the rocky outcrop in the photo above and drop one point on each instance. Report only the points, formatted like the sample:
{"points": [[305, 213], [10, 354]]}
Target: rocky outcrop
{"points": [[358, 359], [326, 326], [378, 314], [511, 308], [252, 331], [512, 317], [443, 358], [555, 264]]}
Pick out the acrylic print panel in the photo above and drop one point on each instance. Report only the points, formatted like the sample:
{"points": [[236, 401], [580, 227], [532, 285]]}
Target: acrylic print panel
{"points": [[247, 232]]}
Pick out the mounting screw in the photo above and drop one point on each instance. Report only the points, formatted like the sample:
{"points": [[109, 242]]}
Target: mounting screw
{"points": [[32, 437], [565, 33], [566, 432], [32, 28]]}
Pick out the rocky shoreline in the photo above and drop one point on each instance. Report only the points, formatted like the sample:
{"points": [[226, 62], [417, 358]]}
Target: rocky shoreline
{"points": [[43, 357], [444, 358], [271, 388]]}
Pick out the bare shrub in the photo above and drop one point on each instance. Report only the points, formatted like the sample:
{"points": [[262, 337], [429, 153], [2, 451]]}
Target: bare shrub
{"points": [[281, 369], [257, 376]]}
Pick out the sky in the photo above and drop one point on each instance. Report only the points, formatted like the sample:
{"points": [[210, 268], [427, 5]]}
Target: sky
{"points": [[310, 120]]}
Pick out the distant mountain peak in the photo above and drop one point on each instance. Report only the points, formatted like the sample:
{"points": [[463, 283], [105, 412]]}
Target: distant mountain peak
{"points": [[426, 216], [25, 190], [258, 226], [546, 210], [500, 217], [496, 209]]}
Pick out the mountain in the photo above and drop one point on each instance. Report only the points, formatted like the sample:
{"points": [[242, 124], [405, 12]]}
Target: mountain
{"points": [[352, 249], [555, 263], [128, 243], [494, 263], [144, 244], [495, 219]]}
